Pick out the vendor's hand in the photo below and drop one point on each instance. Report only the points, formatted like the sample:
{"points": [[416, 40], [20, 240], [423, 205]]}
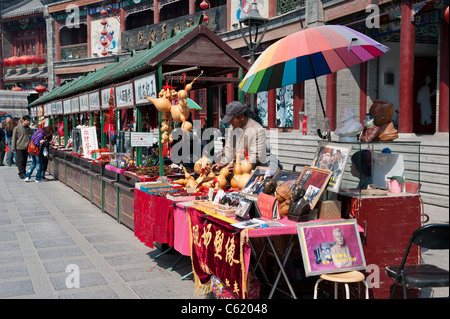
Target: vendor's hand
{"points": [[218, 166]]}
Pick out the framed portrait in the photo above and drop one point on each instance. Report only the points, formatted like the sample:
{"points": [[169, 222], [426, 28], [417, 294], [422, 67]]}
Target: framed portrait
{"points": [[243, 209], [332, 157], [331, 246], [254, 185], [284, 177], [315, 181]]}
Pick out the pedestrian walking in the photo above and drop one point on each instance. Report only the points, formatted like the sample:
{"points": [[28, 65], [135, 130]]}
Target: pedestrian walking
{"points": [[44, 151], [2, 142], [20, 139], [10, 125], [40, 138]]}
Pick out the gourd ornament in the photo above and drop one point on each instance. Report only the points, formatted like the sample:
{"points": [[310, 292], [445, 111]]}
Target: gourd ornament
{"points": [[237, 172], [162, 104], [203, 162], [246, 168]]}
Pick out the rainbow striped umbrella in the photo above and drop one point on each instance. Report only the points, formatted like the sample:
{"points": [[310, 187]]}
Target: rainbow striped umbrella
{"points": [[308, 54]]}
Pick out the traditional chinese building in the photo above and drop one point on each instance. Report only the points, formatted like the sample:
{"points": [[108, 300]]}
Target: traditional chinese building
{"points": [[24, 39], [414, 30]]}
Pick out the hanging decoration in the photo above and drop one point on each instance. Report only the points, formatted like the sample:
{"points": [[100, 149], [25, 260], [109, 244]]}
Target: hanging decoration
{"points": [[40, 89], [174, 107], [104, 39], [205, 5], [110, 116]]}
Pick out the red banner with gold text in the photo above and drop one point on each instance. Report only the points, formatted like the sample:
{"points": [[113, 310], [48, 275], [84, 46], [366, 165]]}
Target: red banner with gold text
{"points": [[217, 249]]}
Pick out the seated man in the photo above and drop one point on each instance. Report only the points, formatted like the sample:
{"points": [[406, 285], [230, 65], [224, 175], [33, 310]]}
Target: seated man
{"points": [[383, 111], [244, 134]]}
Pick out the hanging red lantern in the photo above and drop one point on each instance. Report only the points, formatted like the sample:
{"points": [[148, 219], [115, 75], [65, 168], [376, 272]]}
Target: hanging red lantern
{"points": [[104, 32], [104, 52], [27, 60], [14, 60], [40, 89], [6, 63], [205, 18], [104, 12], [104, 22], [36, 59], [103, 42], [204, 5], [42, 60]]}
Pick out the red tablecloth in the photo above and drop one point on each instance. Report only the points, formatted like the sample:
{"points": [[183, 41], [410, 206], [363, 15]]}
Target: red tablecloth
{"points": [[153, 219]]}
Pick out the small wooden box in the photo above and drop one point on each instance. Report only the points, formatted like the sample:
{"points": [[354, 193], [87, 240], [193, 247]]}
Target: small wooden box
{"points": [[329, 209]]}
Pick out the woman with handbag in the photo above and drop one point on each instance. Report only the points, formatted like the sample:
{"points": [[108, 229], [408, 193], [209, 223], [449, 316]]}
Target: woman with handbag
{"points": [[37, 158]]}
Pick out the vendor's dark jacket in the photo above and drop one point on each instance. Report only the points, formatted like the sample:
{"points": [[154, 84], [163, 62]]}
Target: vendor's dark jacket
{"points": [[21, 137]]}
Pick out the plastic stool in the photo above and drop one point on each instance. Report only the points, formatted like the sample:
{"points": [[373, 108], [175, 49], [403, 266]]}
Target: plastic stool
{"points": [[344, 278]]}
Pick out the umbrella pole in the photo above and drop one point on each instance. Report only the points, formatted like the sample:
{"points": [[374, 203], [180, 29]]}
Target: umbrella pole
{"points": [[327, 121]]}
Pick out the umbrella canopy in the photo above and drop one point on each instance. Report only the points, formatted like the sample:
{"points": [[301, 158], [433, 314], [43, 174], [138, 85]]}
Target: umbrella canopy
{"points": [[308, 54]]}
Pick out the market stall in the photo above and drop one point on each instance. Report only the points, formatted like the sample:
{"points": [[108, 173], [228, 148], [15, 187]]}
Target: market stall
{"points": [[241, 224]]}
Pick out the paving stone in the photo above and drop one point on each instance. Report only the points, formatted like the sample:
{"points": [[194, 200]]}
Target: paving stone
{"points": [[87, 279], [11, 257], [16, 288], [56, 242], [60, 265], [103, 293], [53, 253], [9, 272]]}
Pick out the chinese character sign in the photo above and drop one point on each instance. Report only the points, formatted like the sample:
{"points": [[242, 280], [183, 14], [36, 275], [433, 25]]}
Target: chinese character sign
{"points": [[89, 140], [216, 249], [145, 86], [124, 95]]}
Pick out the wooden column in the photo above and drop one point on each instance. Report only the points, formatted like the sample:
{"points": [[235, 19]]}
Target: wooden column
{"points": [[271, 108], [57, 42], [191, 6], [89, 30], [405, 117], [155, 11], [230, 89], [362, 91], [443, 81], [123, 26], [331, 100]]}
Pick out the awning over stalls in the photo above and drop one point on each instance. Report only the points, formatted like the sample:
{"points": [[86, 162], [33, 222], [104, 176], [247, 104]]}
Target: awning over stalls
{"points": [[196, 46]]}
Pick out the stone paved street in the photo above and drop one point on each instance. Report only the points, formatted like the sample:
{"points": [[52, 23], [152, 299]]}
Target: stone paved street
{"points": [[46, 227]]}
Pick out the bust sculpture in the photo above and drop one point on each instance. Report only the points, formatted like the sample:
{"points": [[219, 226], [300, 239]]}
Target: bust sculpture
{"points": [[349, 127], [383, 111], [269, 186], [371, 131], [283, 195], [299, 207]]}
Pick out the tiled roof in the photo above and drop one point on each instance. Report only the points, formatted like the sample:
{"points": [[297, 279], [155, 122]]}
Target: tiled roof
{"points": [[23, 8], [134, 65]]}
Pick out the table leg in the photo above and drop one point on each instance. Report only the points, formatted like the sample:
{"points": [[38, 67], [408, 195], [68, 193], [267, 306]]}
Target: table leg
{"points": [[164, 252], [281, 265], [258, 259]]}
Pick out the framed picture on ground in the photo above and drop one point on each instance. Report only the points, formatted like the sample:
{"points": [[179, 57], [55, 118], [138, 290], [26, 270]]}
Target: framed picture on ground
{"points": [[315, 180], [331, 246], [332, 157]]}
